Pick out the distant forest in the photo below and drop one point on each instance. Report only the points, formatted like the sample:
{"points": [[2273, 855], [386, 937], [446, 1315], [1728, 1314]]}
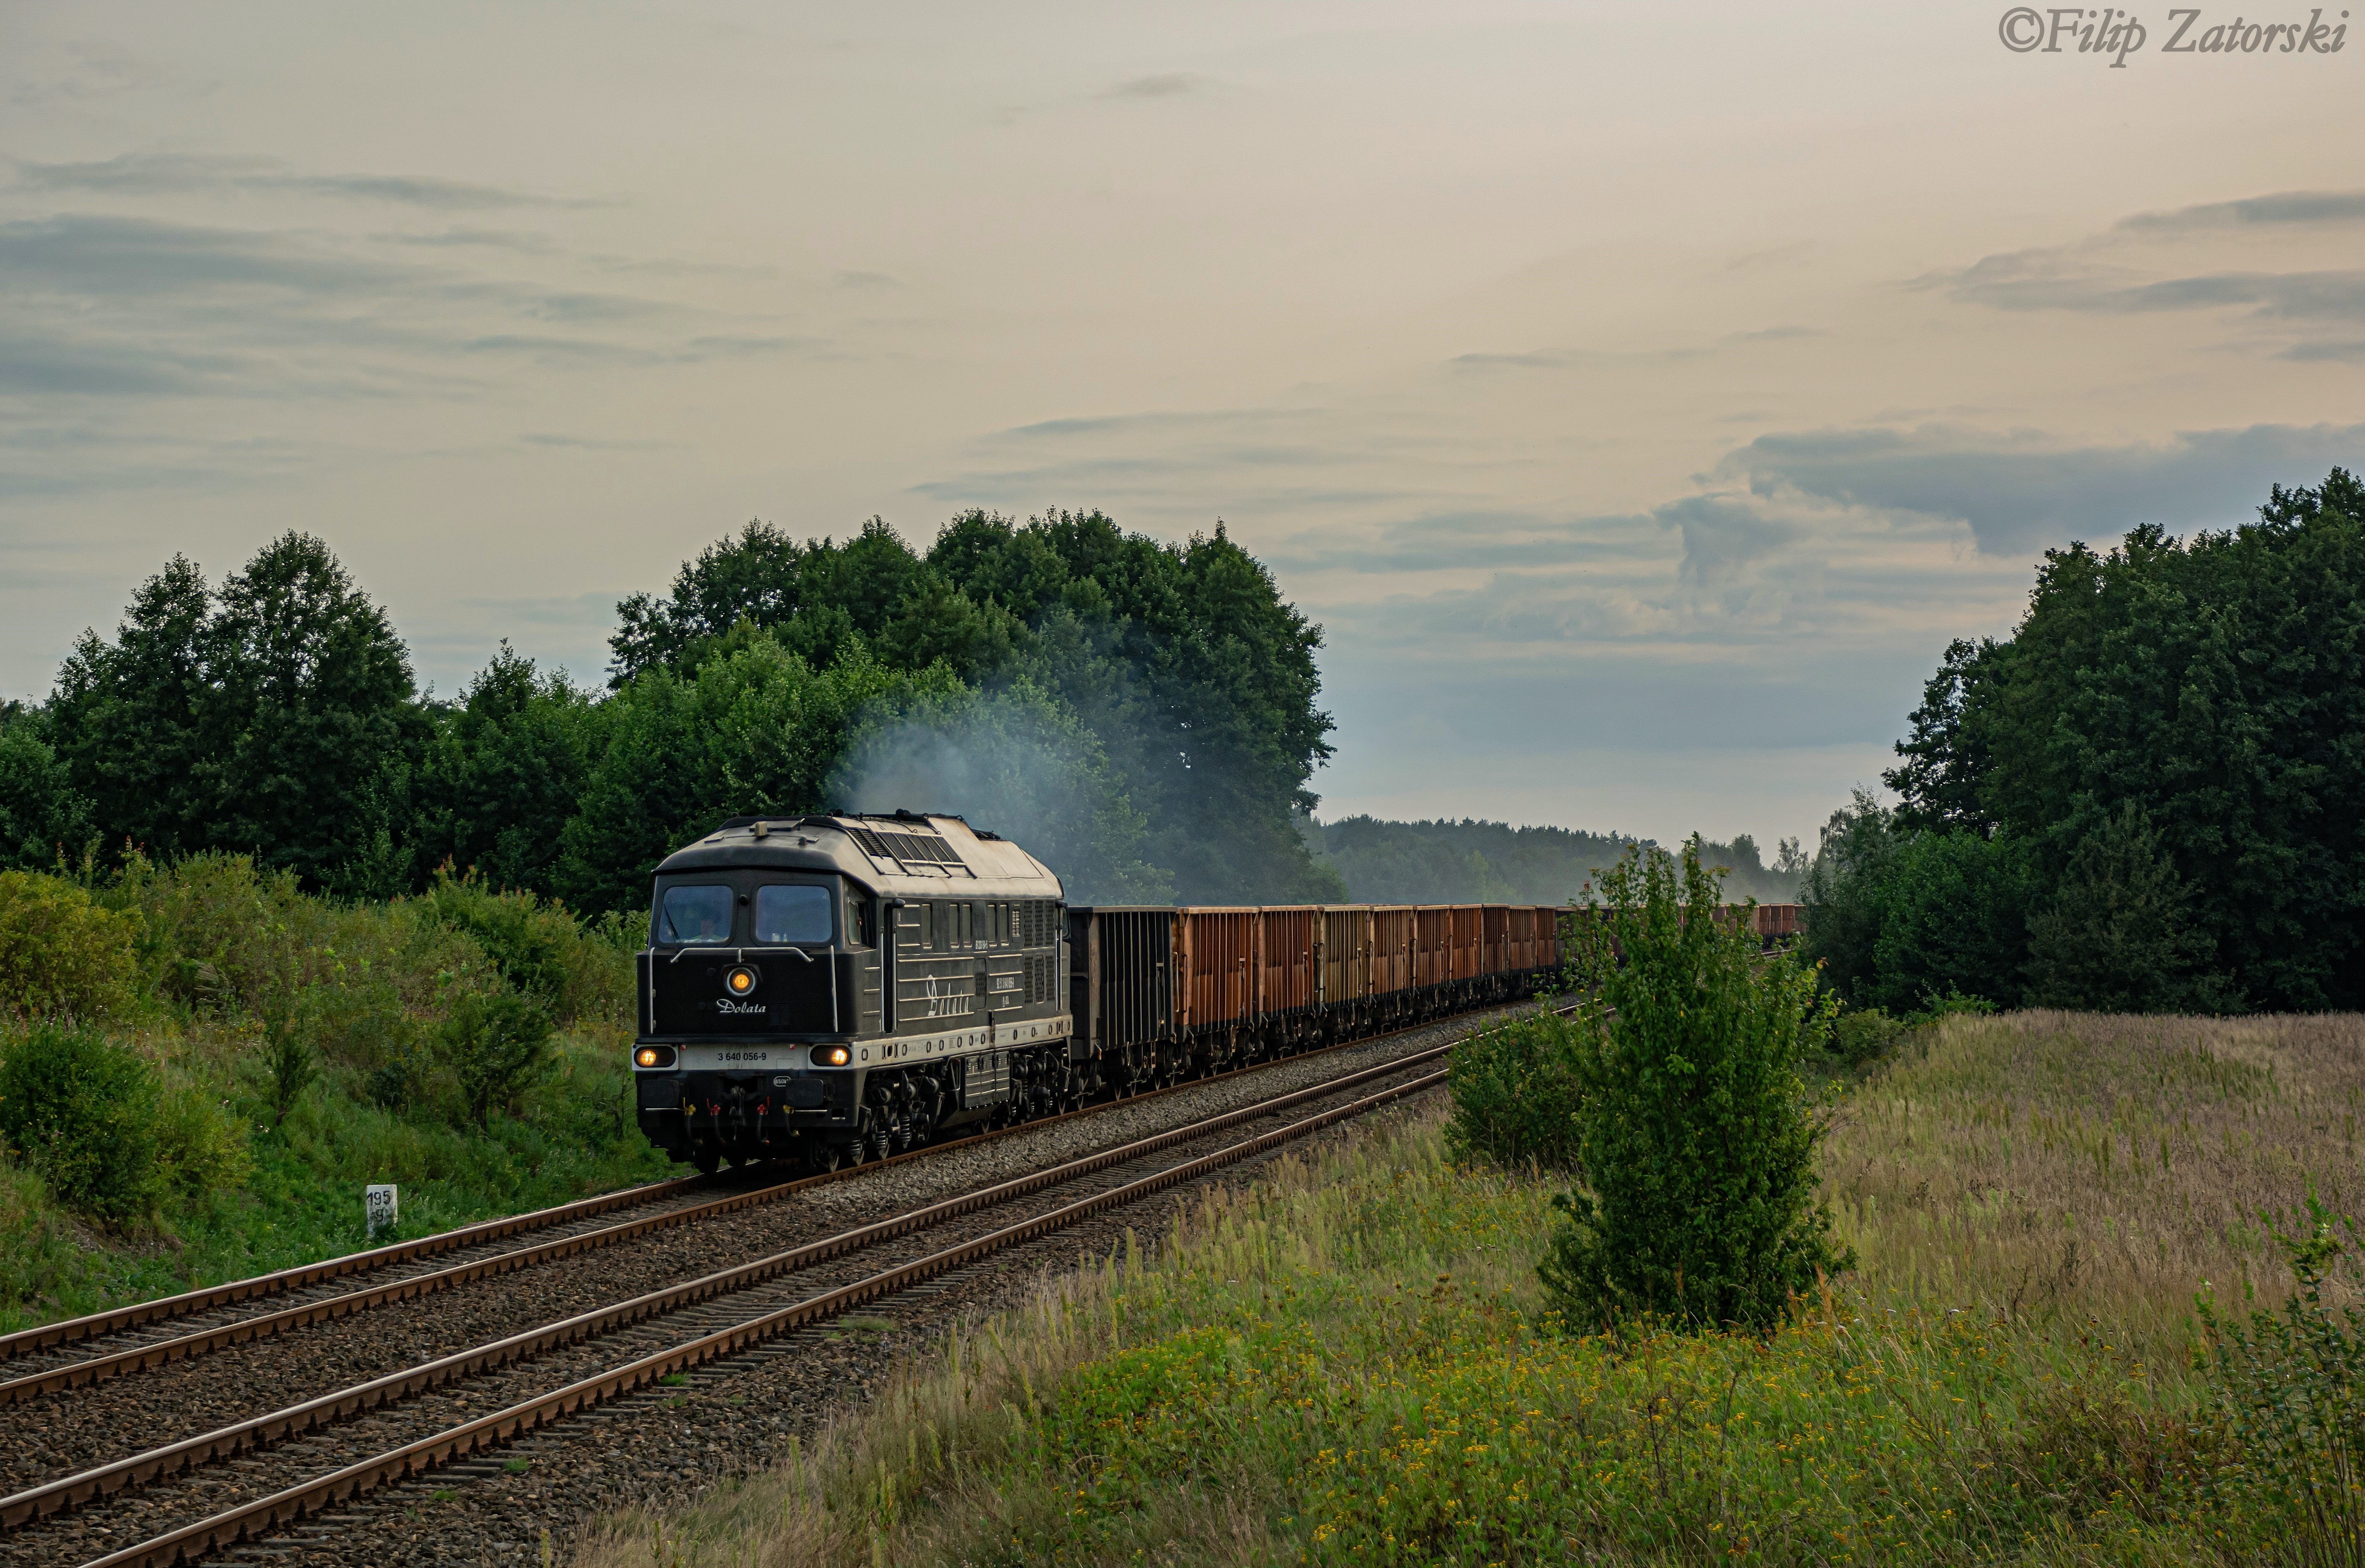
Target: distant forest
{"points": [[1482, 862]]}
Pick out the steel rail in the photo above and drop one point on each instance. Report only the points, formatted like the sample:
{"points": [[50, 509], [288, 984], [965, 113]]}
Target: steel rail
{"points": [[193, 1541], [73, 1490], [139, 1358], [26, 1341]]}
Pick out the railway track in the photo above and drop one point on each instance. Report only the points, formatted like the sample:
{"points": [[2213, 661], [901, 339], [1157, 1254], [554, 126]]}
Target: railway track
{"points": [[182, 1499], [75, 1351]]}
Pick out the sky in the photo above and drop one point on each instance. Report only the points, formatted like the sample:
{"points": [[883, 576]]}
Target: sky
{"points": [[1641, 398]]}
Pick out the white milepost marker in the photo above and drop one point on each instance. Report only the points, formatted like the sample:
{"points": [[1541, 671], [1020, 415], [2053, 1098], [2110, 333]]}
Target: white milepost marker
{"points": [[378, 1203]]}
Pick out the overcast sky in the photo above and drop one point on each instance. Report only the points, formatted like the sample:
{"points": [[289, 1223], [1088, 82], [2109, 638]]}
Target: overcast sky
{"points": [[1640, 398]]}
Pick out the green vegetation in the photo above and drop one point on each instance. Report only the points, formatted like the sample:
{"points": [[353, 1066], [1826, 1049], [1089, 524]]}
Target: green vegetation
{"points": [[1354, 1359], [1141, 714], [1516, 1093], [1695, 1141], [2147, 798], [203, 1066], [1480, 862]]}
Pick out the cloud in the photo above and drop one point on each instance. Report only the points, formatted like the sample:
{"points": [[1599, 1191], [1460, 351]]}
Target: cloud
{"points": [[2020, 491], [865, 280], [2337, 353], [46, 365], [93, 255], [2284, 208], [593, 444], [1722, 533], [166, 173], [2040, 281], [1170, 85], [1575, 359]]}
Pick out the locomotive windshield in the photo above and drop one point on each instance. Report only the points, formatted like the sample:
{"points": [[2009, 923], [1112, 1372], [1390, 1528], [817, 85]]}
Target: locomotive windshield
{"points": [[690, 915], [792, 914]]}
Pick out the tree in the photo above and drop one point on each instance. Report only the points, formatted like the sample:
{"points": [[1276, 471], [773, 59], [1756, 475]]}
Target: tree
{"points": [[753, 730], [1696, 1136], [273, 717], [313, 726], [1946, 762], [1843, 897], [135, 721], [1952, 919], [2217, 687], [2118, 933], [42, 818], [504, 772]]}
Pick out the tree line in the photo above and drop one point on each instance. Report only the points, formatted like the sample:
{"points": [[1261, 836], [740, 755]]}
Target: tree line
{"points": [[1140, 714], [1471, 861], [2149, 798]]}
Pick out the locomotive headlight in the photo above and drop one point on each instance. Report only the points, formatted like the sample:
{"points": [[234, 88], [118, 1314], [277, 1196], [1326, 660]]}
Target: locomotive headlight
{"points": [[653, 1056], [740, 981], [831, 1056]]}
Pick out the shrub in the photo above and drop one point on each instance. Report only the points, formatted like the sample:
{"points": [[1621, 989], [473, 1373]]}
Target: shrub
{"points": [[1861, 1036], [1695, 1134], [200, 1145], [2293, 1390], [1515, 1094], [84, 1113], [1953, 918], [539, 948], [61, 954], [495, 1047]]}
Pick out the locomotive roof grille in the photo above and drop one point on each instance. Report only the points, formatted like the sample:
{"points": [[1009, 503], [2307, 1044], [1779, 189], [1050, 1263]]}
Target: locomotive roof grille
{"points": [[905, 847]]}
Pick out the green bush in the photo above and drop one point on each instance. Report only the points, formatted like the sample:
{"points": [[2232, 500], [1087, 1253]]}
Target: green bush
{"points": [[1515, 1094], [62, 954], [201, 1145], [1954, 918], [84, 1115], [495, 1047], [2291, 1387], [1861, 1036], [1696, 1137], [539, 948]]}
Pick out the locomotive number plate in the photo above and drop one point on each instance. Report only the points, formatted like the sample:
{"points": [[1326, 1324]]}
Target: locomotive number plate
{"points": [[735, 1055]]}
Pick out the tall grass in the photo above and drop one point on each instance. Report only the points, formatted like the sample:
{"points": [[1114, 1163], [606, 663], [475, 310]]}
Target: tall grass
{"points": [[2094, 1167]]}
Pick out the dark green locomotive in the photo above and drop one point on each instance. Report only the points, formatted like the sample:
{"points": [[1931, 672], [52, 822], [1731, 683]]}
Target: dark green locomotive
{"points": [[840, 988]]}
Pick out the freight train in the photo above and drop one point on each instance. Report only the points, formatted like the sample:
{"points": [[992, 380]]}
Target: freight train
{"points": [[839, 988], [836, 989]]}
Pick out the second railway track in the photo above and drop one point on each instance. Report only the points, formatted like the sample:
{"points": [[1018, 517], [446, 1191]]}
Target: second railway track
{"points": [[54, 1357], [360, 1409]]}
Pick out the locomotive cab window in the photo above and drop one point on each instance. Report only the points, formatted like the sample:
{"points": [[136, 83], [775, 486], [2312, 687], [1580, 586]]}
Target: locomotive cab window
{"points": [[794, 914], [686, 916]]}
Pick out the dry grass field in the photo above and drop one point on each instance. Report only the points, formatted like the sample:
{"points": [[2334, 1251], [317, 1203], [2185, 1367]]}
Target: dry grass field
{"points": [[2107, 1168]]}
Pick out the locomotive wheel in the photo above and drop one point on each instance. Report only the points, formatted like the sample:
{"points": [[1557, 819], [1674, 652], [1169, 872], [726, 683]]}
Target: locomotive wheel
{"points": [[707, 1158]]}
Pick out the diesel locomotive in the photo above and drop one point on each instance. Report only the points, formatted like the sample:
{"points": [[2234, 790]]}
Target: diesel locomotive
{"points": [[838, 988]]}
